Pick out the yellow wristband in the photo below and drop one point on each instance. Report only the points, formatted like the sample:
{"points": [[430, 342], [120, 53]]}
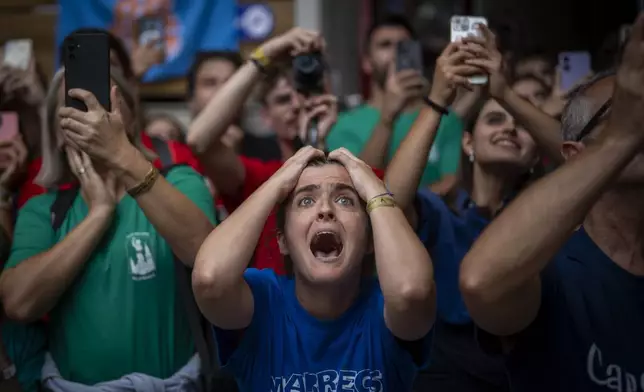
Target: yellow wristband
{"points": [[260, 58], [380, 201]]}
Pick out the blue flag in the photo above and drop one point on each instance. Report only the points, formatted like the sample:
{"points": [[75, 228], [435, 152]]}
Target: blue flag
{"points": [[184, 27]]}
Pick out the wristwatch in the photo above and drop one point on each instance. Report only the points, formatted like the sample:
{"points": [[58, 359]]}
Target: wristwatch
{"points": [[9, 372]]}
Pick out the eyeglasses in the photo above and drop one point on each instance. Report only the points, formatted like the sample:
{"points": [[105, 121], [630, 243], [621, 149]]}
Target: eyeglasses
{"points": [[594, 120]]}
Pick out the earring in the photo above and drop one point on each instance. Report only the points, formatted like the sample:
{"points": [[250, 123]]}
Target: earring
{"points": [[472, 157], [532, 170]]}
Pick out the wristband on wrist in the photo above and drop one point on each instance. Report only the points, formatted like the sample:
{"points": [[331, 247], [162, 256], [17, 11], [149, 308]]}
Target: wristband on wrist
{"points": [[380, 201], [145, 185], [258, 57], [440, 109]]}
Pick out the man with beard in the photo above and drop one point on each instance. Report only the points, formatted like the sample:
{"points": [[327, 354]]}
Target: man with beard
{"points": [[375, 130], [559, 275]]}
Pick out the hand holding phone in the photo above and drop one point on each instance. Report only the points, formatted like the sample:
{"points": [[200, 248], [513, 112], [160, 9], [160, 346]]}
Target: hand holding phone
{"points": [[573, 68], [409, 55], [18, 53], [87, 67], [466, 26], [149, 49]]}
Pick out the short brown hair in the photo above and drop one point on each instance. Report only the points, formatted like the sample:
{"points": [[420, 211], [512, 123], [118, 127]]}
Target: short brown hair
{"points": [[272, 78]]}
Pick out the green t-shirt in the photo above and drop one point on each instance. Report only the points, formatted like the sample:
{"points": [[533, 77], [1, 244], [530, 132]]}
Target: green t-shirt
{"points": [[122, 314], [354, 128], [25, 345]]}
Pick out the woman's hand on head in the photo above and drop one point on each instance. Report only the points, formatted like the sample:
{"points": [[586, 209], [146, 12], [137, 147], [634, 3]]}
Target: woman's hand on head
{"points": [[285, 179], [99, 193], [367, 184], [97, 132]]}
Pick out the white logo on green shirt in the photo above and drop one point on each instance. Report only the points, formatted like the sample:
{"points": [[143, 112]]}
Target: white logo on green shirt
{"points": [[142, 265]]}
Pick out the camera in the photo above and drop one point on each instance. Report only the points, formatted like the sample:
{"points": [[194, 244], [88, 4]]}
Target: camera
{"points": [[308, 73]]}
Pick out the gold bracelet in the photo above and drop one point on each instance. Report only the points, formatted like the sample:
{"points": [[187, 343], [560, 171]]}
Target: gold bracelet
{"points": [[145, 185], [380, 201]]}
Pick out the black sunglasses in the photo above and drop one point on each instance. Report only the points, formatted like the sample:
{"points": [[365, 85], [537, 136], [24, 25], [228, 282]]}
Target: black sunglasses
{"points": [[594, 120]]}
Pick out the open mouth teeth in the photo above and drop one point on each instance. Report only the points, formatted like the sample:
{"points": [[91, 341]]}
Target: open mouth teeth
{"points": [[326, 245]]}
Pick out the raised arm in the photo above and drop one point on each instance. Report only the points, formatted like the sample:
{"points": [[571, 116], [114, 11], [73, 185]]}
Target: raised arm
{"points": [[500, 275], [406, 168], [31, 288], [404, 267], [402, 87], [102, 136], [220, 162], [544, 129], [218, 277]]}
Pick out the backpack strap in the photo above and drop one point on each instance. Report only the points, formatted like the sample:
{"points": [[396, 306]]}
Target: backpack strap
{"points": [[202, 332], [61, 205], [163, 151]]}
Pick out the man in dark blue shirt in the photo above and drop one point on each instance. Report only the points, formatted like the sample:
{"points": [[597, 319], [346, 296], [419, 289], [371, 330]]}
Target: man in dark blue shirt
{"points": [[568, 300]]}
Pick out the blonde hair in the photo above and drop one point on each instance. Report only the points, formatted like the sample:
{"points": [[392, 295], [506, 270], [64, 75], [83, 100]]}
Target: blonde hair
{"points": [[55, 169]]}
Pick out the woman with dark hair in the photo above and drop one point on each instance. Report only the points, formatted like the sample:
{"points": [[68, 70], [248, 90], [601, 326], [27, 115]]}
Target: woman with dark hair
{"points": [[331, 324], [499, 158]]}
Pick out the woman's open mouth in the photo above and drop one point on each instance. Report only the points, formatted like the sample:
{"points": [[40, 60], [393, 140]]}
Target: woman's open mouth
{"points": [[326, 246]]}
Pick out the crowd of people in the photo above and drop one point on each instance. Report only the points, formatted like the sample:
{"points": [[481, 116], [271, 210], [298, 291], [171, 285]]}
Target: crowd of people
{"points": [[442, 236]]}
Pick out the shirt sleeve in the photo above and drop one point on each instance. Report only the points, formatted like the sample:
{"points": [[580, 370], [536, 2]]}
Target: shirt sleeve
{"points": [[451, 131], [33, 233], [428, 209], [407, 356], [193, 185], [235, 347], [257, 172], [341, 136]]}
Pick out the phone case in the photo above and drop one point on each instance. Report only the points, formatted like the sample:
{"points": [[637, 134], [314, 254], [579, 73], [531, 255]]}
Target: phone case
{"points": [[87, 67], [573, 66], [8, 125], [17, 53], [464, 26], [151, 28], [409, 55]]}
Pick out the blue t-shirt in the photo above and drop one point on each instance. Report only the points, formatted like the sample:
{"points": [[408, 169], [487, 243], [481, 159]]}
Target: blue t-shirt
{"points": [[589, 333], [285, 349], [448, 234]]}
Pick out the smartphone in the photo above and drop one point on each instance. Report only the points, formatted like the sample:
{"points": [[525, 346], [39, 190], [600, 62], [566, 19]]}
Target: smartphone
{"points": [[573, 66], [8, 125], [149, 29], [465, 26], [17, 53], [87, 67], [409, 55]]}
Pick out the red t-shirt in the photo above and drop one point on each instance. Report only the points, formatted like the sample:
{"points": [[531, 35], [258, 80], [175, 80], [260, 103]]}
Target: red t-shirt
{"points": [[181, 154], [267, 253]]}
